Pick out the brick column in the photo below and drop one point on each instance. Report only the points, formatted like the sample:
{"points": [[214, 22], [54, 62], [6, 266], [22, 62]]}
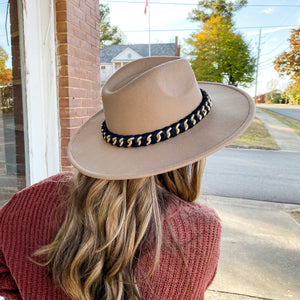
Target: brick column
{"points": [[78, 61]]}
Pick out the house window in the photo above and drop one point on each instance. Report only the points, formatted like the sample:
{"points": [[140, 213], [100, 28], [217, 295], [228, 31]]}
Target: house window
{"points": [[102, 67], [129, 55]]}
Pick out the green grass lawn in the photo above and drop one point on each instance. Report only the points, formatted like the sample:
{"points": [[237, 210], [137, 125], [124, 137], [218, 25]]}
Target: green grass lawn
{"points": [[293, 124], [295, 214], [256, 135]]}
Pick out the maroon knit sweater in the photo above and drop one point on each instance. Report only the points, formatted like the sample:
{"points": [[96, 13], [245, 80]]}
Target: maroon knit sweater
{"points": [[28, 220]]}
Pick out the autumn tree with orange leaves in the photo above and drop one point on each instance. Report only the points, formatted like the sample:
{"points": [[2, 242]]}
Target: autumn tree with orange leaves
{"points": [[5, 74], [288, 63]]}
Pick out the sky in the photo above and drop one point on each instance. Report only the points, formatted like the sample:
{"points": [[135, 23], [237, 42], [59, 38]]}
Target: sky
{"points": [[169, 18], [3, 39]]}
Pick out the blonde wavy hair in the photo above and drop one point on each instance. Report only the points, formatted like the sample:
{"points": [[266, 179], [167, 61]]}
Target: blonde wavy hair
{"points": [[107, 226]]}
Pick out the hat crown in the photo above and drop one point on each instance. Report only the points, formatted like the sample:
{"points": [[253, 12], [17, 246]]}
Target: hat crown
{"points": [[149, 94]]}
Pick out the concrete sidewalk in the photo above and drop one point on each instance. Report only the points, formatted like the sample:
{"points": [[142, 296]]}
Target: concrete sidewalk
{"points": [[260, 250], [283, 135]]}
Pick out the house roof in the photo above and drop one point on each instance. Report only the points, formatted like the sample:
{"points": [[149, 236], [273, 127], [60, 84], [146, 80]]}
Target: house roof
{"points": [[107, 53]]}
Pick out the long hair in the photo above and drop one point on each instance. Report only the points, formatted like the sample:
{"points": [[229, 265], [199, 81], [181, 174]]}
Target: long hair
{"points": [[106, 226]]}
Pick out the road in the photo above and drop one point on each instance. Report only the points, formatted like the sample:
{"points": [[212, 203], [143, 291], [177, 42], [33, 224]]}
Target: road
{"points": [[253, 174], [289, 111]]}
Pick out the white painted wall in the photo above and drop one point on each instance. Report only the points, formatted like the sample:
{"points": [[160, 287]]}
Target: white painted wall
{"points": [[124, 57], [107, 72], [42, 120]]}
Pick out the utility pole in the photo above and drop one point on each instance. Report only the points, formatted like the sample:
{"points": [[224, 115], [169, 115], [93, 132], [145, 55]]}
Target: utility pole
{"points": [[257, 63], [149, 31]]}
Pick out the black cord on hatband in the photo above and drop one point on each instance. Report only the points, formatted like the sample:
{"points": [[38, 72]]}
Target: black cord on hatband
{"points": [[162, 134]]}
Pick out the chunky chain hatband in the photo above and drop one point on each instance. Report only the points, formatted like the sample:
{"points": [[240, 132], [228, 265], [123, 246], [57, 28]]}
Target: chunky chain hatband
{"points": [[162, 134]]}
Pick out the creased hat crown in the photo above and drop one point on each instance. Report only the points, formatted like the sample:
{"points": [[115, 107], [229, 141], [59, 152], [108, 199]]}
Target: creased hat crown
{"points": [[149, 94], [144, 96]]}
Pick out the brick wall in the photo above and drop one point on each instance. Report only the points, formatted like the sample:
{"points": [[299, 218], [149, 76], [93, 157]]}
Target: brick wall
{"points": [[78, 59]]}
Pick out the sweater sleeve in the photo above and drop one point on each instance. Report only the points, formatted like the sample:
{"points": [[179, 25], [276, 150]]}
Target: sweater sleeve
{"points": [[8, 288], [28, 221]]}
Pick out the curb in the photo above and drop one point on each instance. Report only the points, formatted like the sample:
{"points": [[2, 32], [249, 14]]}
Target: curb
{"points": [[229, 201], [251, 147], [221, 295]]}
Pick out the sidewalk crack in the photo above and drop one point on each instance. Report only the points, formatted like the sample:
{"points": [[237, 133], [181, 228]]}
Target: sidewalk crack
{"points": [[238, 294]]}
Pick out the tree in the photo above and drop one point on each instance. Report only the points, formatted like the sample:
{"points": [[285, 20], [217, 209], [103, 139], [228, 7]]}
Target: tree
{"points": [[5, 74], [272, 84], [6, 77], [220, 54], [274, 96], [109, 35], [288, 63], [3, 59], [293, 94], [206, 9]]}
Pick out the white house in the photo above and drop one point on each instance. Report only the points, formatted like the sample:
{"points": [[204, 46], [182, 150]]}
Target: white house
{"points": [[115, 56]]}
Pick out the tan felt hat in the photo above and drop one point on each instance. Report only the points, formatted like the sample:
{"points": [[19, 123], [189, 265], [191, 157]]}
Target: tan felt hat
{"points": [[158, 118]]}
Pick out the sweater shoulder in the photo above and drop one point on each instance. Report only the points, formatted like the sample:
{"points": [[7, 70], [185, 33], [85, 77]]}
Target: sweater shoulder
{"points": [[191, 221], [45, 191], [51, 182], [195, 212]]}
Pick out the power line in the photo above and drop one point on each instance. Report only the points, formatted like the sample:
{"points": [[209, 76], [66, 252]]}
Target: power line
{"points": [[257, 63], [274, 49], [267, 36], [192, 29], [269, 60], [267, 64], [271, 26], [192, 4], [261, 68], [265, 68], [274, 55]]}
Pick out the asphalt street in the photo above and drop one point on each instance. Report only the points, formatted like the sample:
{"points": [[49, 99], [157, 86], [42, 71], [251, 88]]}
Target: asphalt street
{"points": [[292, 112], [253, 174]]}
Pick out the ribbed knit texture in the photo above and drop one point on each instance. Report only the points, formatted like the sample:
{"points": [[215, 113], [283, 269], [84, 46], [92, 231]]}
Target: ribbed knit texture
{"points": [[31, 218]]}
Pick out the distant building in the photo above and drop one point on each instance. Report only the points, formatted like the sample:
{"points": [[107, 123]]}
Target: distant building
{"points": [[274, 96], [116, 56], [260, 98]]}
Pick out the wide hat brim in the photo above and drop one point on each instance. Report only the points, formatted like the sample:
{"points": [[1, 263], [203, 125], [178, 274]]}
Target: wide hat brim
{"points": [[232, 112]]}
